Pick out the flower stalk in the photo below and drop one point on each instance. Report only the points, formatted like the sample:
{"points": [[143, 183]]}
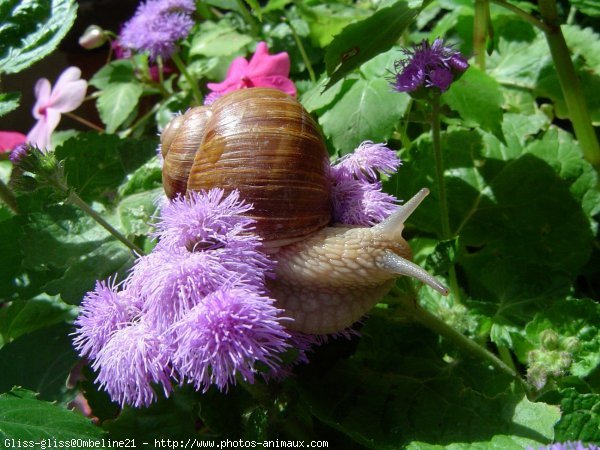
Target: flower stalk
{"points": [[570, 84], [481, 27], [181, 66], [411, 308]]}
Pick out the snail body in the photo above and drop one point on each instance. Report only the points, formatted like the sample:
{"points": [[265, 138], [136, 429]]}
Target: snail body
{"points": [[264, 144]]}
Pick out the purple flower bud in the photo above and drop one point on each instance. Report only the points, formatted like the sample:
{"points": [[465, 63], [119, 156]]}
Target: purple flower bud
{"points": [[18, 154], [428, 66]]}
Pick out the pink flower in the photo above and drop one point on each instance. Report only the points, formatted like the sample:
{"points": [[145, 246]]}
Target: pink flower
{"points": [[11, 139], [263, 70], [67, 95]]}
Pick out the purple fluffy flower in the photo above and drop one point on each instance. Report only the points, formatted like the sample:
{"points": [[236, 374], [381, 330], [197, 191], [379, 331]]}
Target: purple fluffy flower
{"points": [[428, 65], [132, 360], [18, 153], [357, 196], [157, 25], [103, 311], [569, 445], [228, 333], [367, 160]]}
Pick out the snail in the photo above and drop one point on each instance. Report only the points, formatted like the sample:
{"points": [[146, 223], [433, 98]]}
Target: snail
{"points": [[265, 144]]}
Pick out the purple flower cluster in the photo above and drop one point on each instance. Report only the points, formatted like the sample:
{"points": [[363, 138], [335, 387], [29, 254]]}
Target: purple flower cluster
{"points": [[194, 310], [569, 445], [357, 195], [428, 65], [157, 25]]}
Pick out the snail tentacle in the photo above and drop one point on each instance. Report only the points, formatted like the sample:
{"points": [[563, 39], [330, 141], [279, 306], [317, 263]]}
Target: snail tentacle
{"points": [[395, 264]]}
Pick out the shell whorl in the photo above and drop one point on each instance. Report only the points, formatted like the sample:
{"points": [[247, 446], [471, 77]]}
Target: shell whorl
{"points": [[263, 143]]}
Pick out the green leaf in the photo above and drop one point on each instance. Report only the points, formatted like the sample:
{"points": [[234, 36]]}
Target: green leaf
{"points": [[477, 98], [171, 418], [580, 419], [40, 361], [9, 101], [117, 102], [255, 8], [24, 419], [136, 211], [218, 40], [397, 392], [357, 117], [589, 7], [11, 231], [96, 164], [146, 178], [443, 256], [22, 317], [31, 29], [328, 19], [118, 71], [350, 49]]}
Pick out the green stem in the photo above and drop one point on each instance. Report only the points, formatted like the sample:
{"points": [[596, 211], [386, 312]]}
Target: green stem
{"points": [[85, 122], [480, 31], [254, 27], [441, 182], [181, 66], [440, 327], [523, 15], [439, 166], [311, 72], [506, 356], [570, 84], [77, 201], [141, 120], [8, 197]]}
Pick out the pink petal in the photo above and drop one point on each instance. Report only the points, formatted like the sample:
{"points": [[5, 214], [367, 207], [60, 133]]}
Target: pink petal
{"points": [[262, 64], [69, 91], [42, 130], [42, 94], [10, 139], [277, 82], [236, 71]]}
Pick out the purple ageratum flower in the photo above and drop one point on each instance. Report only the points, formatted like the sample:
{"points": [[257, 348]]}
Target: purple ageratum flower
{"points": [[132, 360], [357, 196], [18, 154], [157, 25], [428, 65], [569, 445], [230, 332], [103, 311], [205, 220], [367, 160]]}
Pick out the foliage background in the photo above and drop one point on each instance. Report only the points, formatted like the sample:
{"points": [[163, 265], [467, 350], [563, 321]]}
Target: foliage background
{"points": [[523, 203]]}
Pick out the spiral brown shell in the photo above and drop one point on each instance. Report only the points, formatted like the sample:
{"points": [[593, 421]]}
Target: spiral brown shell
{"points": [[261, 142]]}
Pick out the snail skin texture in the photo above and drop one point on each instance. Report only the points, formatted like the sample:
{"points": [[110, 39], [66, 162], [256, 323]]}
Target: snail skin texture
{"points": [[264, 143]]}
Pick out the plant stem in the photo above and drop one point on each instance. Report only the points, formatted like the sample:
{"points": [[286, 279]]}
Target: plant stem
{"points": [[254, 27], [85, 122], [480, 31], [523, 15], [128, 131], [7, 196], [439, 166], [181, 66], [440, 327], [311, 72], [77, 201], [439, 172], [570, 84]]}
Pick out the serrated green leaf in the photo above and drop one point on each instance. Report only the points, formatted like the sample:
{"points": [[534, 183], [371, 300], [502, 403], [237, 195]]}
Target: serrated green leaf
{"points": [[31, 29], [589, 7], [350, 49], [40, 361], [443, 256], [96, 164], [136, 211], [26, 316], [9, 101], [326, 20], [357, 117], [118, 71], [116, 102], [218, 40], [26, 419], [580, 419], [477, 98]]}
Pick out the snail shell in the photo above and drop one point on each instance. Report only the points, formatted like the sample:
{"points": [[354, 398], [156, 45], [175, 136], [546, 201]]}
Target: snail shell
{"points": [[263, 143]]}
